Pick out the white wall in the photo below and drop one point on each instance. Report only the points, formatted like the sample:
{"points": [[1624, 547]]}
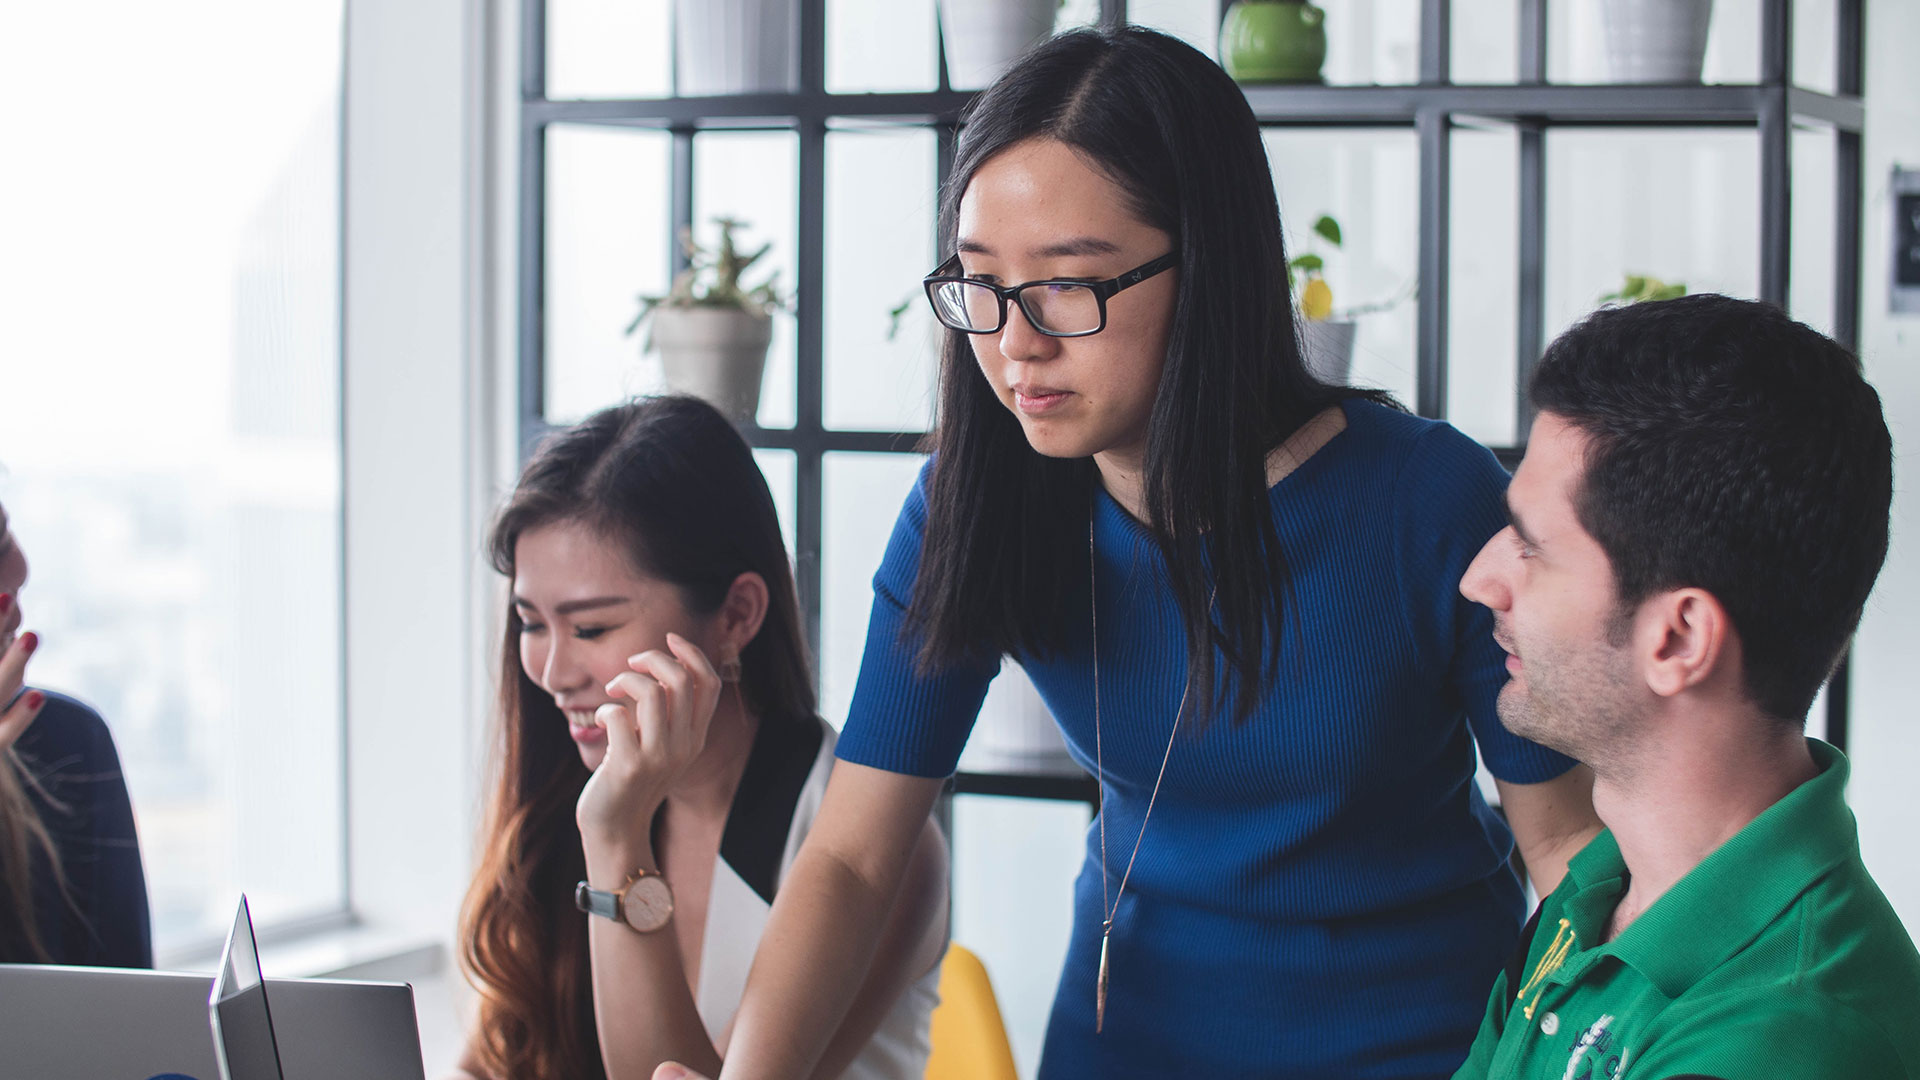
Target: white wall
{"points": [[1885, 737], [419, 447]]}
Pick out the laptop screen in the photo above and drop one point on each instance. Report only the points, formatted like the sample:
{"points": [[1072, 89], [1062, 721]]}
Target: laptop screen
{"points": [[242, 1025]]}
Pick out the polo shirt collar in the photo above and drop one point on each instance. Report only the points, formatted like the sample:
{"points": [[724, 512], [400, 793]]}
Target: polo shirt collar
{"points": [[1724, 903]]}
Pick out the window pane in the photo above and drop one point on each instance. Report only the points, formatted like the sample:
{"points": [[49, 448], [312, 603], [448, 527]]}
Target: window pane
{"points": [[781, 470], [609, 49], [1577, 42], [172, 445], [750, 175], [1680, 205], [607, 243], [1815, 178], [1816, 41], [880, 214], [1485, 41], [881, 45], [1372, 41], [1196, 22], [863, 494], [1076, 13], [1368, 182], [1014, 862], [1483, 278]]}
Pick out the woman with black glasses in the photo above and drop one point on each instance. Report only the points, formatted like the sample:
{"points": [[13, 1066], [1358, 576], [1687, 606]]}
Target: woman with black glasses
{"points": [[1235, 586]]}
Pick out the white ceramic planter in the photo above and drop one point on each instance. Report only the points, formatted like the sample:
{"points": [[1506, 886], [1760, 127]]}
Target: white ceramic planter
{"points": [[716, 354], [1329, 349], [984, 37], [734, 46], [1656, 41]]}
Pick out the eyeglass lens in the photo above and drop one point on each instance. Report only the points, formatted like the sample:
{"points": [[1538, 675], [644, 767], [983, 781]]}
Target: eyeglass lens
{"points": [[1059, 308]]}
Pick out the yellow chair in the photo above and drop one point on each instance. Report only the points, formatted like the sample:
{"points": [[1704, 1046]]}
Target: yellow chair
{"points": [[969, 1038]]}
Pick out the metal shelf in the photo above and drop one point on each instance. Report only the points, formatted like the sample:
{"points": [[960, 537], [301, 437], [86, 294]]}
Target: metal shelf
{"points": [[1077, 786], [1280, 106], [1431, 109]]}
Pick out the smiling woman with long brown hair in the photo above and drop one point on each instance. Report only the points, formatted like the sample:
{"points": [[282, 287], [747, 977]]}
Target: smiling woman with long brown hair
{"points": [[659, 760]]}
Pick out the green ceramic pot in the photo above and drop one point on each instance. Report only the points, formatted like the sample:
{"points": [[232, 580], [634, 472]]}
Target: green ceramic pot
{"points": [[1273, 41]]}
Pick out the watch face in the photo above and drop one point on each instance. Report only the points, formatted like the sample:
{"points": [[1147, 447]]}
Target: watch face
{"points": [[649, 904]]}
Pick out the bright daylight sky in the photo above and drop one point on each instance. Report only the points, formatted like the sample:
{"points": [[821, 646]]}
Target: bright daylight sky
{"points": [[139, 137]]}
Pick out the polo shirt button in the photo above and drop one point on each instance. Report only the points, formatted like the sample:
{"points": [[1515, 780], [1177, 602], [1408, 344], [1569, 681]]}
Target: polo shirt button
{"points": [[1549, 1024]]}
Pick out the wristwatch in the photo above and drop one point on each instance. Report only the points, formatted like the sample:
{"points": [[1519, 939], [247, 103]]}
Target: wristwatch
{"points": [[644, 903]]}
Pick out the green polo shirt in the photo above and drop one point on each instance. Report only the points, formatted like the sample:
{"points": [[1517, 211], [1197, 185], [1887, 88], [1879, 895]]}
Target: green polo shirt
{"points": [[1777, 956]]}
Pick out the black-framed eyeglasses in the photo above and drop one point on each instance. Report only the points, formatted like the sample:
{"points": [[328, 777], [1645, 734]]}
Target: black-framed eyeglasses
{"points": [[1056, 308]]}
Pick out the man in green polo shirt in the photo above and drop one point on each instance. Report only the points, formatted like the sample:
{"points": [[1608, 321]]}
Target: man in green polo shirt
{"points": [[1698, 521]]}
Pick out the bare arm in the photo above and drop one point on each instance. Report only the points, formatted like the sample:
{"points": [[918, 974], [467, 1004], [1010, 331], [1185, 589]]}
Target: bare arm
{"points": [[816, 971], [1551, 822], [643, 1009], [645, 1012], [642, 1004], [913, 942]]}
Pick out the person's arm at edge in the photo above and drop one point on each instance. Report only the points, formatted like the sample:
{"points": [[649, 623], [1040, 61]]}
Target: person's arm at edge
{"points": [[914, 942], [643, 1009], [814, 969], [1551, 821]]}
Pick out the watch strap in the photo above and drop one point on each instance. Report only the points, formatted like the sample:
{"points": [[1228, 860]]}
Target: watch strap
{"points": [[599, 902]]}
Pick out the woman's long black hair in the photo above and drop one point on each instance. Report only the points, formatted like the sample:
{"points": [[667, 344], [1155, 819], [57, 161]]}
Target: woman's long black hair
{"points": [[1005, 546]]}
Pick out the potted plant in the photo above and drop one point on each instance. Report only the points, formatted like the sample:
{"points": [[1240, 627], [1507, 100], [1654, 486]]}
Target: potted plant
{"points": [[711, 329], [734, 46], [1640, 287], [1656, 41], [1326, 333], [1273, 41], [983, 37], [1328, 342]]}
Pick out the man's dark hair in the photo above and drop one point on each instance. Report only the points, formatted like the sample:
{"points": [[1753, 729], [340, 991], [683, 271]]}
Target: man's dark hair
{"points": [[1737, 451]]}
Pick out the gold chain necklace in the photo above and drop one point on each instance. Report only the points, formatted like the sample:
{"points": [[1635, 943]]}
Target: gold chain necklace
{"points": [[1109, 909]]}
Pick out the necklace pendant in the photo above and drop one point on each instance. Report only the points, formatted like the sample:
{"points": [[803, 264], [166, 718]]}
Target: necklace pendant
{"points": [[1100, 993]]}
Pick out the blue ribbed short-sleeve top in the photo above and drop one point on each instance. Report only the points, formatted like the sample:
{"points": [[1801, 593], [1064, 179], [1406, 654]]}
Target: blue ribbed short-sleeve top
{"points": [[1322, 890]]}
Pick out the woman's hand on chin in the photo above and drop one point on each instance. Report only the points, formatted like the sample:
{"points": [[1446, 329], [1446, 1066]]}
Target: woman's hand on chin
{"points": [[650, 741], [18, 705]]}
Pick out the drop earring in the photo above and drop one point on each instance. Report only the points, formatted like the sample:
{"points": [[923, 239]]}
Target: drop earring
{"points": [[730, 669]]}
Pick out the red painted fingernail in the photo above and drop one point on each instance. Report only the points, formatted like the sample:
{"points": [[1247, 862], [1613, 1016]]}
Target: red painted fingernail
{"points": [[6, 601], [29, 641], [35, 699]]}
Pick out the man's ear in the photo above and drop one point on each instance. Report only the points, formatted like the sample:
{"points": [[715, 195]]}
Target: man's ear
{"points": [[1685, 639]]}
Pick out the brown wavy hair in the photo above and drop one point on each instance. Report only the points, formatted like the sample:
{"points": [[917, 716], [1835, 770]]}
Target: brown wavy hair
{"points": [[671, 482]]}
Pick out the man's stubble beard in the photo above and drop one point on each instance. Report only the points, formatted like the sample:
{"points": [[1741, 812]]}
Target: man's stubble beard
{"points": [[1575, 703]]}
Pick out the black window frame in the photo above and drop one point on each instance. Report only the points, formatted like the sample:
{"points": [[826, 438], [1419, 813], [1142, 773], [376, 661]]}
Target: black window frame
{"points": [[1430, 108]]}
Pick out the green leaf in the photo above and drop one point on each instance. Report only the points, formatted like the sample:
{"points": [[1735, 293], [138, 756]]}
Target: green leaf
{"points": [[895, 314], [1668, 292], [1328, 229], [1309, 262]]}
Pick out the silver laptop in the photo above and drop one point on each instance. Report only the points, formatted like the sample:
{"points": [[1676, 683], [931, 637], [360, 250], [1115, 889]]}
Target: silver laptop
{"points": [[74, 1023]]}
